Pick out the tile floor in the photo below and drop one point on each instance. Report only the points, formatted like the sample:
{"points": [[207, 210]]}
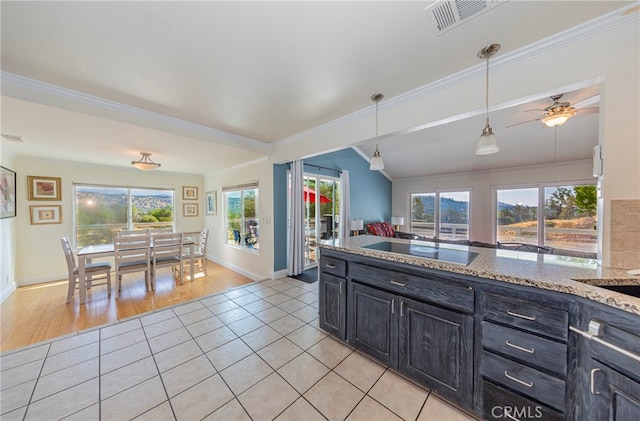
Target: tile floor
{"points": [[250, 353]]}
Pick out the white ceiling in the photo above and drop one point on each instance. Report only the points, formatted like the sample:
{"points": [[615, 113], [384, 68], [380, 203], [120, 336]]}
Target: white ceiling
{"points": [[94, 81]]}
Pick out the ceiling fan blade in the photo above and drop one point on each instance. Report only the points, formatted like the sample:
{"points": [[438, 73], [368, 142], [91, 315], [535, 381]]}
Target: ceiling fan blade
{"points": [[522, 122], [590, 110]]}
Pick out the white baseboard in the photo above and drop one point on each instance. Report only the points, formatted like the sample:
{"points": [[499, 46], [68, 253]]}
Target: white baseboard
{"points": [[240, 270], [279, 274], [8, 291]]}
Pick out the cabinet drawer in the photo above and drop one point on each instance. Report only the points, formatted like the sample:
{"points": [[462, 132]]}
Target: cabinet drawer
{"points": [[430, 288], [502, 404], [547, 321], [333, 266], [531, 349], [526, 380]]}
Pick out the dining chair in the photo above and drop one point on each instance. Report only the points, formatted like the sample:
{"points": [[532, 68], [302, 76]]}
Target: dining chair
{"points": [[167, 251], [132, 254], [100, 269], [155, 231], [126, 233], [199, 252]]}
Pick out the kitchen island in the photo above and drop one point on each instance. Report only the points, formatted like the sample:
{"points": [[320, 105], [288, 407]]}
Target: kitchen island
{"points": [[500, 333]]}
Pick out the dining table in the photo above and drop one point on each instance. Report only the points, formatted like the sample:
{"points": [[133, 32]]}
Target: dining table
{"points": [[87, 253]]}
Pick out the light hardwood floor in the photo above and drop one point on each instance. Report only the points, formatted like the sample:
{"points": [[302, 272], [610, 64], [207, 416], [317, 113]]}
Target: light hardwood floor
{"points": [[35, 313]]}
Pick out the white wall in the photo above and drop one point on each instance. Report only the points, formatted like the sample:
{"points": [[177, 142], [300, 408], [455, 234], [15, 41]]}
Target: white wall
{"points": [[7, 237], [255, 265], [481, 184], [38, 254]]}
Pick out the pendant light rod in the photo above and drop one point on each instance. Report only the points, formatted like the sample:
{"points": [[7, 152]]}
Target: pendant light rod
{"points": [[487, 144], [376, 161]]}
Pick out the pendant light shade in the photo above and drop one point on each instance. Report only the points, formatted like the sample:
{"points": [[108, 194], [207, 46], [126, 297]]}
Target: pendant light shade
{"points": [[145, 163], [488, 143], [376, 163]]}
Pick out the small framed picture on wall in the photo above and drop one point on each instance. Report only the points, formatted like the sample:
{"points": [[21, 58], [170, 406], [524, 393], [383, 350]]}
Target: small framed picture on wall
{"points": [[210, 203], [43, 188], [41, 215], [189, 209], [189, 193]]}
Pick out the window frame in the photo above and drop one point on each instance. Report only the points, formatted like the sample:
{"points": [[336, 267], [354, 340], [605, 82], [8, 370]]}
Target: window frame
{"points": [[129, 195], [541, 203], [436, 212], [225, 223]]}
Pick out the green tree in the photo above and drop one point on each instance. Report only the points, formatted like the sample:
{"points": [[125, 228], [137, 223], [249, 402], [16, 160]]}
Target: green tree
{"points": [[561, 204], [586, 199], [417, 209]]}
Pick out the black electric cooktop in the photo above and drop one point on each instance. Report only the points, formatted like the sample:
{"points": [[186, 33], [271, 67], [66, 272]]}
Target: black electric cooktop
{"points": [[436, 253]]}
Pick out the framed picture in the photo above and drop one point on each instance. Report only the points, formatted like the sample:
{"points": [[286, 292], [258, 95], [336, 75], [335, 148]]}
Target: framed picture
{"points": [[7, 193], [189, 209], [43, 188], [210, 203], [41, 215], [189, 193]]}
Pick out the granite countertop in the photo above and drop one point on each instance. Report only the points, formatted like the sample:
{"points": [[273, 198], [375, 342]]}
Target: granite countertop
{"points": [[571, 275]]}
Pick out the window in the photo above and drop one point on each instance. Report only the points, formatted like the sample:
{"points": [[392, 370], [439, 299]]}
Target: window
{"points": [[567, 220], [444, 213], [101, 212], [241, 215]]}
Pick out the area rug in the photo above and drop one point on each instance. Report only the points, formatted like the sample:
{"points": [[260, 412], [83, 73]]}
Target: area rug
{"points": [[309, 276]]}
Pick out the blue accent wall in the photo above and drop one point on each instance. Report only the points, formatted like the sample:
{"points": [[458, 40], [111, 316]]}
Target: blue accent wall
{"points": [[370, 194]]}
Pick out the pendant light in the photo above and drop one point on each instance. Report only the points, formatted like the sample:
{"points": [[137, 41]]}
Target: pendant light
{"points": [[145, 163], [487, 144], [376, 161]]}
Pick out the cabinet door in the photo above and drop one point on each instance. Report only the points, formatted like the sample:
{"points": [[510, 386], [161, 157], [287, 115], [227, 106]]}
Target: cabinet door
{"points": [[332, 296], [436, 349], [614, 396], [373, 323]]}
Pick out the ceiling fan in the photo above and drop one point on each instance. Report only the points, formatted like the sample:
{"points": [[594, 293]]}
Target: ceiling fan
{"points": [[559, 113]]}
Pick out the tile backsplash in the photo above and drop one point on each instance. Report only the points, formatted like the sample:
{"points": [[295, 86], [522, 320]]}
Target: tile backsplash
{"points": [[625, 234]]}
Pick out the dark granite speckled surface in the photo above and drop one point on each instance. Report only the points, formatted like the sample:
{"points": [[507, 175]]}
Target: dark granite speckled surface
{"points": [[570, 275]]}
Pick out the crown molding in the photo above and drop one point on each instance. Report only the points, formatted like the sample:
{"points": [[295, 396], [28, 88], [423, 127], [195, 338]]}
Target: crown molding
{"points": [[36, 91], [604, 23]]}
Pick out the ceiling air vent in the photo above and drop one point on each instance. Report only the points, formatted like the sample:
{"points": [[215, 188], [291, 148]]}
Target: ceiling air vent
{"points": [[13, 138], [445, 15]]}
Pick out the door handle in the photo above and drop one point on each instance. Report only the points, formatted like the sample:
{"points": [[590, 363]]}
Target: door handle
{"points": [[393, 306], [402, 308], [593, 381], [519, 348], [521, 316], [340, 285]]}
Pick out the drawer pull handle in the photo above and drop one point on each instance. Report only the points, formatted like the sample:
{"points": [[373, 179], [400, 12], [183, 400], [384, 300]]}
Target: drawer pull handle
{"points": [[331, 266], [519, 348], [522, 316], [593, 381], [528, 384], [400, 284]]}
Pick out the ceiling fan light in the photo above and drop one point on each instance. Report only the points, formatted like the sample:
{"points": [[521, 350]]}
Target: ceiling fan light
{"points": [[558, 119], [376, 161], [145, 163], [487, 143]]}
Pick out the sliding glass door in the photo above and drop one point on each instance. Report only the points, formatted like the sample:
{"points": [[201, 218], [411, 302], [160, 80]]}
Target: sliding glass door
{"points": [[321, 214]]}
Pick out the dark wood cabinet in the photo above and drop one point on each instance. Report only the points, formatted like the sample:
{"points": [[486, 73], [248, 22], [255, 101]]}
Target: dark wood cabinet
{"points": [[436, 349], [614, 396], [425, 342], [332, 289], [501, 350]]}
